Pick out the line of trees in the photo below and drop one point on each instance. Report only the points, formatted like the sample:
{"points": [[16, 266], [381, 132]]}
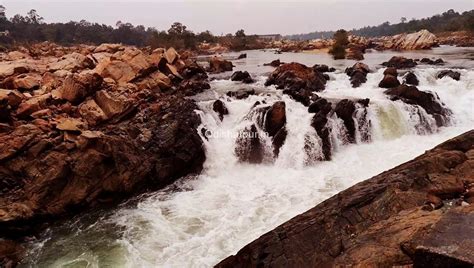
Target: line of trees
{"points": [[31, 28], [446, 22]]}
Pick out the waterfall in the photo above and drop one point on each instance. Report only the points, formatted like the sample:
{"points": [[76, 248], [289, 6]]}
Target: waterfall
{"points": [[200, 220]]}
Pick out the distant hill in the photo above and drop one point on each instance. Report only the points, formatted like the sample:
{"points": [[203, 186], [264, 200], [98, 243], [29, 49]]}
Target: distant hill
{"points": [[447, 22]]}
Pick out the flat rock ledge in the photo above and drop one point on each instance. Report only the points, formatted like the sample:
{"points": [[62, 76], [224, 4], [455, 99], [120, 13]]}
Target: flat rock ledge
{"points": [[419, 214]]}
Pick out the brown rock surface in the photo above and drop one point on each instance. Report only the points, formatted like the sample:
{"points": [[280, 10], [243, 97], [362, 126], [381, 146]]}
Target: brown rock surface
{"points": [[379, 222]]}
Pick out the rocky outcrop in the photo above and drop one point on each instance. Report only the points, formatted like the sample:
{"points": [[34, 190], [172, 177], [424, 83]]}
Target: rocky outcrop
{"points": [[86, 137], [219, 65], [422, 39], [294, 76], [400, 63], [428, 101], [358, 73], [274, 124], [243, 77], [449, 73], [392, 209]]}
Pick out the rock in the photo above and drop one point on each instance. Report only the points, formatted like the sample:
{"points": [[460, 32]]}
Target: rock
{"points": [[242, 56], [319, 123], [242, 76], [319, 105], [355, 54], [358, 73], [219, 65], [432, 62], [26, 108], [411, 79], [148, 150], [171, 55], [389, 81], [193, 71], [303, 96], [241, 94], [323, 68], [10, 253], [248, 146], [296, 76], [23, 82], [110, 105], [12, 97], [422, 39], [391, 71], [349, 227], [411, 95], [273, 63], [400, 62], [77, 87], [109, 48], [193, 87], [345, 110], [13, 68], [70, 124], [453, 74], [219, 107], [275, 118], [72, 62], [91, 112]]}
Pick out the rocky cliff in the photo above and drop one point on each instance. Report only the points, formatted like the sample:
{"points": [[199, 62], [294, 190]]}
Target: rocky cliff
{"points": [[86, 126], [419, 214]]}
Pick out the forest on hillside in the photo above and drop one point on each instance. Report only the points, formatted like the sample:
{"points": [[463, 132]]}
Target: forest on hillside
{"points": [[446, 22], [31, 28]]}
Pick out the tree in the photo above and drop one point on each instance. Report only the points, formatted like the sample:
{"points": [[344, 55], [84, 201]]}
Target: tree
{"points": [[240, 33], [33, 17], [177, 28], [341, 41], [403, 19]]}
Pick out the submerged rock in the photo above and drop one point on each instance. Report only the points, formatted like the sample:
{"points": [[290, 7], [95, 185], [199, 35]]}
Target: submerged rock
{"points": [[432, 62], [274, 63], [242, 56], [450, 73], [241, 94], [244, 77], [348, 228]]}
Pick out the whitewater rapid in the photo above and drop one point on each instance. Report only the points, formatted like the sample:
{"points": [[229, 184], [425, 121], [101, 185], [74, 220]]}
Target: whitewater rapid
{"points": [[200, 220]]}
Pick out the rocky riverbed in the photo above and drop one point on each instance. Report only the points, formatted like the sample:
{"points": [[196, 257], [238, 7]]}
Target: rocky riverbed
{"points": [[83, 128]]}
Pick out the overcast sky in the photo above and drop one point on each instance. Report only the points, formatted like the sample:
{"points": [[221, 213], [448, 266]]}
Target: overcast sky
{"points": [[256, 17]]}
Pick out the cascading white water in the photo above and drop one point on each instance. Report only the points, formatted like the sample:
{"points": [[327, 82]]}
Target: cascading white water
{"points": [[200, 221]]}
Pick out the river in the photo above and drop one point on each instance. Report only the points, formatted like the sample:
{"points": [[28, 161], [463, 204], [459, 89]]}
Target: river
{"points": [[198, 221]]}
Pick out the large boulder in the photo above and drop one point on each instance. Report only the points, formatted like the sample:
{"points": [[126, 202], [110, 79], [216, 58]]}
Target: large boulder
{"points": [[391, 209], [422, 39], [244, 77], [248, 146], [400, 62], [345, 110], [358, 73], [295, 76], [426, 100], [219, 107], [72, 62], [389, 81], [76, 87], [411, 79], [219, 65]]}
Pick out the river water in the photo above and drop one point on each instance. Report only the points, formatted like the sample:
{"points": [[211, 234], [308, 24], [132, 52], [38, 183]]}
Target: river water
{"points": [[198, 221]]}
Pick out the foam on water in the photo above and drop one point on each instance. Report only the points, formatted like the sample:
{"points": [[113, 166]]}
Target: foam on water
{"points": [[231, 203]]}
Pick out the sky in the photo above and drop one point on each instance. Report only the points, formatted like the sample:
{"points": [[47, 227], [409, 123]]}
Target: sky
{"points": [[228, 16]]}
